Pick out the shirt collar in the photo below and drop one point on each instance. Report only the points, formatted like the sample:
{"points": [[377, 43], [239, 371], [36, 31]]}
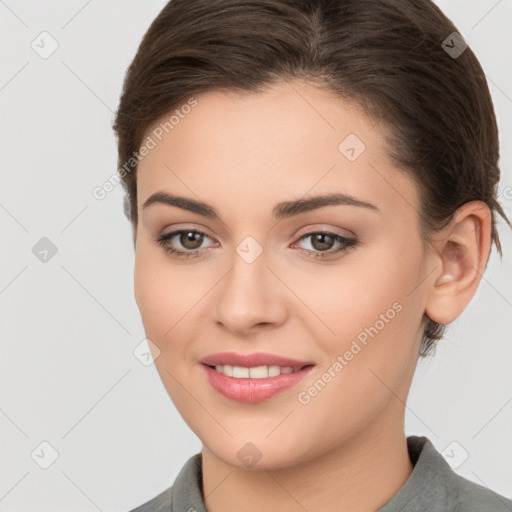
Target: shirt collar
{"points": [[427, 488]]}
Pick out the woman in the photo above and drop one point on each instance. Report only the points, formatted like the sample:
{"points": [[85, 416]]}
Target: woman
{"points": [[312, 190]]}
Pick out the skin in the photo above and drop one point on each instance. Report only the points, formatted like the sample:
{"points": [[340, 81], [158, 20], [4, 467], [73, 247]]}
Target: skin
{"points": [[345, 449]]}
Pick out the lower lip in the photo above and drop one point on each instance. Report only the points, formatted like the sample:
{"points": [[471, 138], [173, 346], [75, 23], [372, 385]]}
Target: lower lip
{"points": [[253, 390]]}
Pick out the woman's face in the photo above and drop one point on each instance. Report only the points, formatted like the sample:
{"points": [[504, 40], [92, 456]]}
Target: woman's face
{"points": [[258, 278]]}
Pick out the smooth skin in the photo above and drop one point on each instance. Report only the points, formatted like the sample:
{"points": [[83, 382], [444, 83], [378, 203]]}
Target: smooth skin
{"points": [[242, 154]]}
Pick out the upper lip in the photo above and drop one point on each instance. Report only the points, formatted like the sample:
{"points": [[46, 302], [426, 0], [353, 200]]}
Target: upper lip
{"points": [[251, 360]]}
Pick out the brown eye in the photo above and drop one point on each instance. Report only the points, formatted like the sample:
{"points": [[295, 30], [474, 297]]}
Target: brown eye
{"points": [[191, 239], [322, 241], [183, 243], [322, 244]]}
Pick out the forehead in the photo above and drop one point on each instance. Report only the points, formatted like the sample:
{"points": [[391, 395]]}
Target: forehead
{"points": [[285, 142]]}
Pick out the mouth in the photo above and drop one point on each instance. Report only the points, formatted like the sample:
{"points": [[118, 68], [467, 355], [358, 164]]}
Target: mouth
{"points": [[256, 372], [252, 360], [254, 384]]}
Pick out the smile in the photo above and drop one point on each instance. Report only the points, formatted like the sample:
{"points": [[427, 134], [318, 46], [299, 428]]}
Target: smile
{"points": [[253, 384]]}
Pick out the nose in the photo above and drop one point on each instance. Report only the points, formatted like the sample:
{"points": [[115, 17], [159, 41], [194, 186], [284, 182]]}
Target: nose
{"points": [[250, 297]]}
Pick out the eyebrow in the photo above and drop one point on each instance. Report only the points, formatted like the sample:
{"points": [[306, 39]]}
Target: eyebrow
{"points": [[280, 211]]}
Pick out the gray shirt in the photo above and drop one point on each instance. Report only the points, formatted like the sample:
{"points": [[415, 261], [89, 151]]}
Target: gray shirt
{"points": [[433, 486]]}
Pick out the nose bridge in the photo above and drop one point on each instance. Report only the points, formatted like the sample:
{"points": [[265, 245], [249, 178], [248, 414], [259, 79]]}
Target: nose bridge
{"points": [[249, 294]]}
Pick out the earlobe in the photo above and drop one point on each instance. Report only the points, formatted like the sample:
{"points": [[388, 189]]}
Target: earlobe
{"points": [[461, 253]]}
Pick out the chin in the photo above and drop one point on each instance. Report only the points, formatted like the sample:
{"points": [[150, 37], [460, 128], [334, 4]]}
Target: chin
{"points": [[259, 455]]}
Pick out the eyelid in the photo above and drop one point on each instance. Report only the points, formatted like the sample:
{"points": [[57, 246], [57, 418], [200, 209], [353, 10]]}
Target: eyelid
{"points": [[316, 228], [346, 244], [308, 230], [179, 227]]}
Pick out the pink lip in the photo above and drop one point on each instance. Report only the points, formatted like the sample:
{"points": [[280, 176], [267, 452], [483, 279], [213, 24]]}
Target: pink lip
{"points": [[251, 360], [253, 390]]}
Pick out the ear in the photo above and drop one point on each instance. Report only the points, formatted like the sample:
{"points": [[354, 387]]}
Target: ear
{"points": [[460, 254]]}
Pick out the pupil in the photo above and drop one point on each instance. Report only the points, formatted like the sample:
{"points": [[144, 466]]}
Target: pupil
{"points": [[321, 238], [189, 238]]}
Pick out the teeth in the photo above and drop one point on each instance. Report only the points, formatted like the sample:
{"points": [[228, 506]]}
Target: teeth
{"points": [[256, 372]]}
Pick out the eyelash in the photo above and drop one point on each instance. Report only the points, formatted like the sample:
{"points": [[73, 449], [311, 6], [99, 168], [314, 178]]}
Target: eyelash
{"points": [[348, 243]]}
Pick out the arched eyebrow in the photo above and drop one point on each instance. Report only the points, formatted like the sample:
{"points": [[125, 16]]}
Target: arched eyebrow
{"points": [[280, 211]]}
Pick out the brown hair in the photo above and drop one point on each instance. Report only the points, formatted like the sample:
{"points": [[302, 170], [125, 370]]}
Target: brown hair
{"points": [[386, 56]]}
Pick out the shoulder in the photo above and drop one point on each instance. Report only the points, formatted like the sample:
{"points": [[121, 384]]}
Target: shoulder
{"points": [[473, 497], [443, 488], [160, 503], [183, 495]]}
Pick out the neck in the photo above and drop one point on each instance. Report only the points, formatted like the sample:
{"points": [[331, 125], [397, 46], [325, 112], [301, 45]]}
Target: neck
{"points": [[361, 474]]}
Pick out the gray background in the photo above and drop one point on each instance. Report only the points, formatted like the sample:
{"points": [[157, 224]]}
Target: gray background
{"points": [[68, 374]]}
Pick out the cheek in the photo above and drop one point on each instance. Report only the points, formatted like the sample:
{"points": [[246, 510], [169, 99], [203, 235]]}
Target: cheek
{"points": [[169, 297], [368, 313], [158, 292], [372, 323], [352, 296]]}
